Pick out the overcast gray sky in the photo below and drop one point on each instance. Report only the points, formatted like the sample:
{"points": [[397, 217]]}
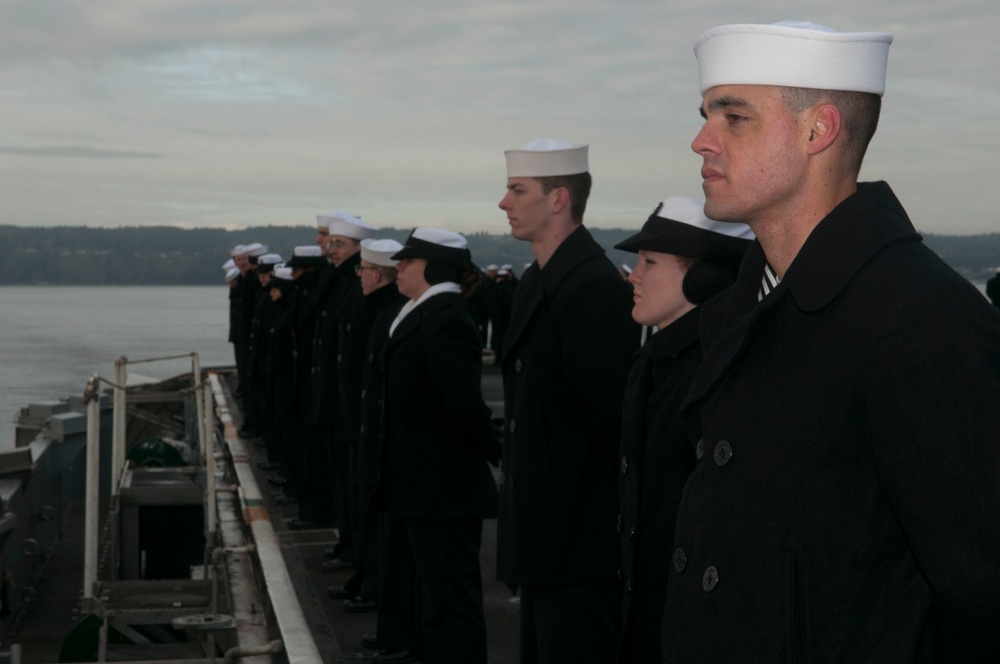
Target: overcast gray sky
{"points": [[224, 113]]}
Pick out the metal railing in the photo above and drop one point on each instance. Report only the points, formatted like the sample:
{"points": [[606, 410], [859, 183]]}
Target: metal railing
{"points": [[211, 402]]}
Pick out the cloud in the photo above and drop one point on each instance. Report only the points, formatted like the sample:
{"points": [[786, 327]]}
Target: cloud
{"points": [[76, 151], [255, 112]]}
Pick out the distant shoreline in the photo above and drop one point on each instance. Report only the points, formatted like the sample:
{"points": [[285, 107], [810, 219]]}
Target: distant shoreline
{"points": [[168, 256]]}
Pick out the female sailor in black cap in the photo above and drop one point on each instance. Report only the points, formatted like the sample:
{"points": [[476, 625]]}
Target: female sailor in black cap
{"points": [[435, 484], [684, 259]]}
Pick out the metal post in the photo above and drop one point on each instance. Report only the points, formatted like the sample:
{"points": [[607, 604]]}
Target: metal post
{"points": [[91, 397], [199, 400], [118, 430], [209, 427], [211, 509]]}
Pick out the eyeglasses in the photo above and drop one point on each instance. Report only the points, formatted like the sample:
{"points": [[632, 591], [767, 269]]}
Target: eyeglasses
{"points": [[359, 268]]}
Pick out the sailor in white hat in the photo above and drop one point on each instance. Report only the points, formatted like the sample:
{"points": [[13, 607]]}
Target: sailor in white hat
{"points": [[846, 402], [244, 300], [339, 301], [257, 417], [280, 374], [565, 358], [340, 233], [239, 257], [254, 251], [382, 301], [377, 267], [305, 257], [548, 184], [265, 266]]}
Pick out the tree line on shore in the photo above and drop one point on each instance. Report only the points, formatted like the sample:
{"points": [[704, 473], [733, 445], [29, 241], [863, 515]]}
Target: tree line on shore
{"points": [[164, 255]]}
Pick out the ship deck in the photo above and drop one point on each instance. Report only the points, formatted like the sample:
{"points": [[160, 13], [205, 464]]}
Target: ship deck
{"points": [[337, 634]]}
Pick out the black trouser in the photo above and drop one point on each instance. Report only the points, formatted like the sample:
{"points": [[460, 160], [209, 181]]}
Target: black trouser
{"points": [[317, 502], [444, 596], [345, 462], [578, 623]]}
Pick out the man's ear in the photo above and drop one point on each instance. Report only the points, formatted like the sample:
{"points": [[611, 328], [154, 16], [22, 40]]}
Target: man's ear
{"points": [[561, 199], [823, 126]]}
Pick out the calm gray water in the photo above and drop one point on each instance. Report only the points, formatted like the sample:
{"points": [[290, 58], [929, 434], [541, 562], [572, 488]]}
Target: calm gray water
{"points": [[53, 338]]}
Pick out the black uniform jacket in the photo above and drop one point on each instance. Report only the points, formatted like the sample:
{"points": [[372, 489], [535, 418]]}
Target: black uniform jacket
{"points": [[280, 369], [334, 285], [247, 288], [383, 305], [354, 324], [845, 506], [565, 360], [304, 302], [437, 430], [656, 459]]}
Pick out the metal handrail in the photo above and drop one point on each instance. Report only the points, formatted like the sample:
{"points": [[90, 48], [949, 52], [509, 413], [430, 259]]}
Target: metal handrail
{"points": [[300, 645]]}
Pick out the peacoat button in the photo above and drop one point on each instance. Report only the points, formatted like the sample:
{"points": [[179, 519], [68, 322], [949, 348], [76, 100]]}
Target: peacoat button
{"points": [[517, 365], [363, 393], [723, 453], [348, 327], [680, 560], [338, 357], [624, 465], [371, 357], [512, 426], [621, 575], [699, 449], [710, 579], [631, 535]]}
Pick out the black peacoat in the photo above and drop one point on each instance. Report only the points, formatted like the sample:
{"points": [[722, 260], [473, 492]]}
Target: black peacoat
{"points": [[656, 459], [383, 304], [845, 505], [436, 428], [335, 284], [565, 360]]}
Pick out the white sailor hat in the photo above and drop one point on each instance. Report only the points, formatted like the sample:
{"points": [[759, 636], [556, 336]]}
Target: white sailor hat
{"points": [[345, 224], [435, 244], [309, 255], [256, 249], [679, 226], [232, 273], [380, 252], [793, 54], [267, 262], [281, 273], [238, 250], [503, 272], [547, 157], [492, 266], [228, 265]]}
